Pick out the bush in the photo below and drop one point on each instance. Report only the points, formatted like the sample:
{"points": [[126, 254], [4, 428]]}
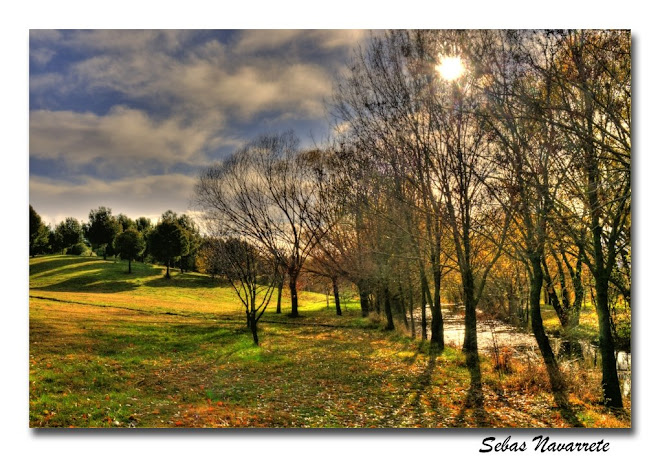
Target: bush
{"points": [[78, 249]]}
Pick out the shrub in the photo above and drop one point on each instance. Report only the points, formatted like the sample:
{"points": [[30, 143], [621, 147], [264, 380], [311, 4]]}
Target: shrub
{"points": [[78, 249]]}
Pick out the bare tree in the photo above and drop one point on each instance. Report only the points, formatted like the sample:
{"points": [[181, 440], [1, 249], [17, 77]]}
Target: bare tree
{"points": [[267, 193], [591, 78], [250, 273]]}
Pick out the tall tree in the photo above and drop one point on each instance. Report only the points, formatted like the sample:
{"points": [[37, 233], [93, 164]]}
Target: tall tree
{"points": [[527, 159], [266, 193], [168, 241], [38, 234], [101, 229], [129, 244], [69, 232], [144, 226], [125, 222], [591, 77], [188, 260]]}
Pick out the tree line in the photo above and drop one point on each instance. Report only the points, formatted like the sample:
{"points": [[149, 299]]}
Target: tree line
{"points": [[174, 241], [503, 189]]}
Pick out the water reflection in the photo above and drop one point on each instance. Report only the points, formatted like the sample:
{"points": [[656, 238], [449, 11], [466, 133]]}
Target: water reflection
{"points": [[494, 334]]}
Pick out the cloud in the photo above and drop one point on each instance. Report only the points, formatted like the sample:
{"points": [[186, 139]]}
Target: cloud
{"points": [[195, 79], [40, 36], [265, 40], [117, 41], [141, 106], [204, 82], [148, 196], [41, 56], [45, 82], [124, 137], [253, 41]]}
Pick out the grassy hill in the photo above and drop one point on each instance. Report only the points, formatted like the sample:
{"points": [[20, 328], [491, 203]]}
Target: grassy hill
{"points": [[109, 349], [92, 280]]}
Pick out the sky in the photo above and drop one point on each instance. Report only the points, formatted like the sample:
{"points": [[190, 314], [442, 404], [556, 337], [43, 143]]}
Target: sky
{"points": [[128, 118]]}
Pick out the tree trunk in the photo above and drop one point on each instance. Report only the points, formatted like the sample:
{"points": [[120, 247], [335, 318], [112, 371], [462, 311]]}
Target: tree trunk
{"points": [[364, 298], [413, 332], [253, 327], [470, 345], [293, 287], [280, 286], [388, 309], [425, 293], [335, 290], [574, 318], [578, 288], [437, 325], [470, 340], [129, 265], [167, 272], [401, 306], [552, 297], [536, 285], [610, 381], [378, 296]]}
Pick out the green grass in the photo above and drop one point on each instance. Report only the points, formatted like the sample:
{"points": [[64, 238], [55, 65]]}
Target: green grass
{"points": [[586, 330], [108, 349], [92, 280]]}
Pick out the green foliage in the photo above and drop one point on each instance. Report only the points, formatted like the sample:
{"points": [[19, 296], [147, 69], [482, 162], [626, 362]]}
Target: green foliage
{"points": [[143, 224], [102, 228], [69, 233], [188, 261], [39, 233], [168, 241], [125, 222], [129, 244], [79, 249]]}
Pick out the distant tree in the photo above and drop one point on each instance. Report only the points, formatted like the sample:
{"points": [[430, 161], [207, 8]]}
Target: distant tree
{"points": [[102, 229], [207, 260], [168, 241], [125, 222], [55, 242], [129, 244], [38, 234], [144, 226], [69, 232], [188, 260], [78, 249]]}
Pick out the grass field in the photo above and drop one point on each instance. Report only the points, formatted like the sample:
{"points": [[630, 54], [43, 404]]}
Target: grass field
{"points": [[109, 349]]}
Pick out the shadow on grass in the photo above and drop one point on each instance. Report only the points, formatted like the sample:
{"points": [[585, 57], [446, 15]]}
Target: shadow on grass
{"points": [[90, 282], [187, 280], [423, 384], [474, 399], [48, 266], [88, 274], [132, 339], [566, 410]]}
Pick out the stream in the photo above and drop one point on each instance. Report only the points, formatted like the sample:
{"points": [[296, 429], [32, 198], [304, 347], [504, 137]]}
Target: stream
{"points": [[494, 334]]}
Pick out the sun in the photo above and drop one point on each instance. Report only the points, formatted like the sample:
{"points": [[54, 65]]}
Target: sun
{"points": [[450, 68]]}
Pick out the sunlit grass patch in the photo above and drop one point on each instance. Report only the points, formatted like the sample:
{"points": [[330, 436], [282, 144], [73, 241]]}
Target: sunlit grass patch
{"points": [[178, 354]]}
